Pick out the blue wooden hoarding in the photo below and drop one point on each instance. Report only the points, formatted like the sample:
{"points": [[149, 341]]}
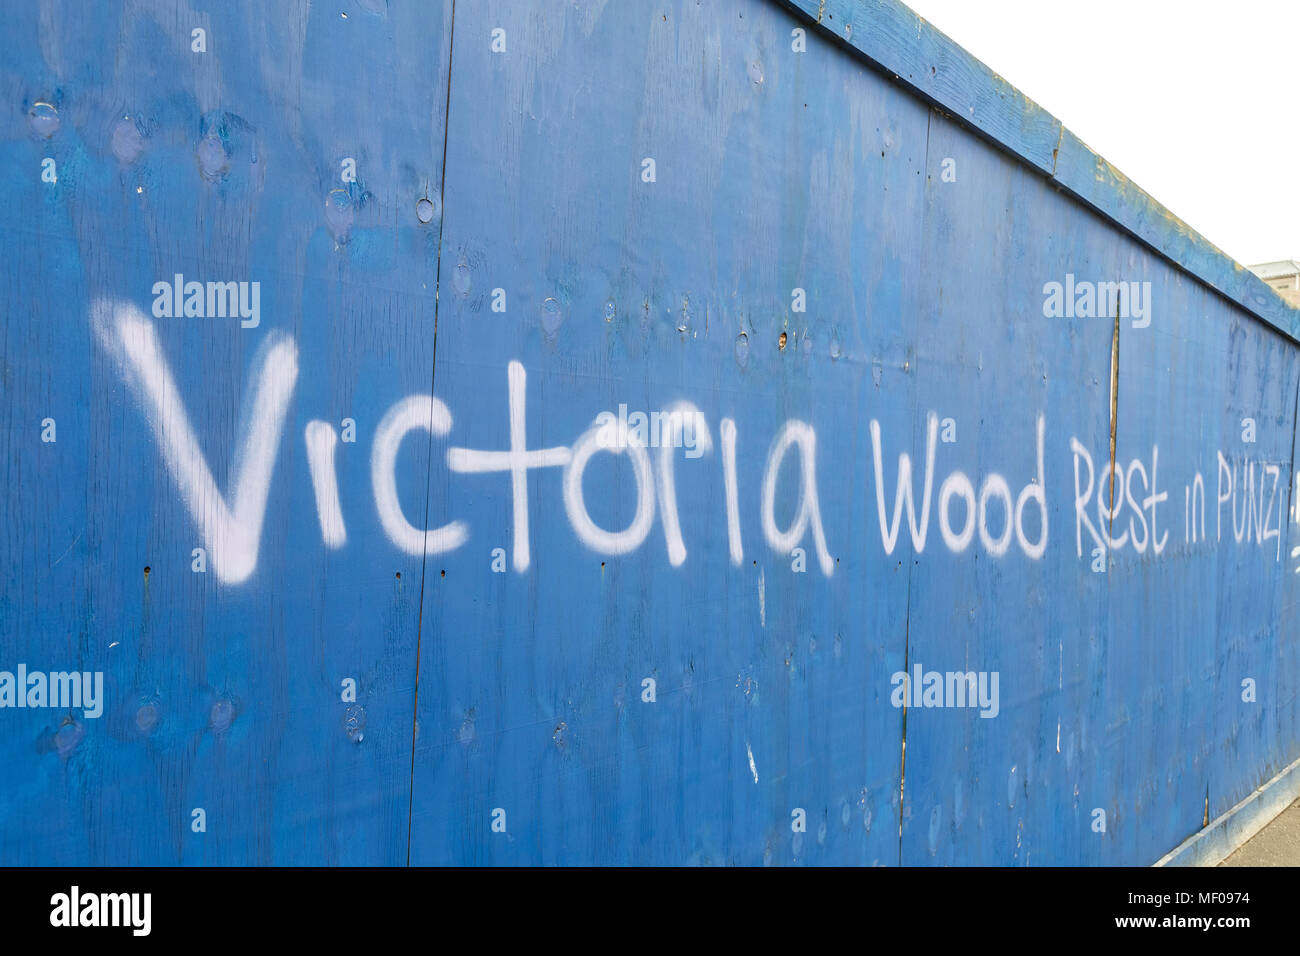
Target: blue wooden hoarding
{"points": [[576, 433]]}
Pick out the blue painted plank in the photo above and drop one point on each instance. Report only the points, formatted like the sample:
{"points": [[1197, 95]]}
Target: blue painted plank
{"points": [[905, 46], [626, 292], [223, 694]]}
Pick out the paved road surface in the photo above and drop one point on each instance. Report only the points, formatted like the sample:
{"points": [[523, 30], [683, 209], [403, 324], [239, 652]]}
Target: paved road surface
{"points": [[1278, 844]]}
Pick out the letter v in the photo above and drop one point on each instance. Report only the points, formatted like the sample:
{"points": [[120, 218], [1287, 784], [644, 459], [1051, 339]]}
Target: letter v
{"points": [[231, 535]]}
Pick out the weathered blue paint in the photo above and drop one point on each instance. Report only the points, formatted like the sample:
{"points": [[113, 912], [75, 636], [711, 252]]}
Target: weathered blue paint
{"points": [[488, 682], [895, 40]]}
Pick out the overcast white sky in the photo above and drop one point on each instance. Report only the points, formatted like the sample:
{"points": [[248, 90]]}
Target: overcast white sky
{"points": [[1193, 100]]}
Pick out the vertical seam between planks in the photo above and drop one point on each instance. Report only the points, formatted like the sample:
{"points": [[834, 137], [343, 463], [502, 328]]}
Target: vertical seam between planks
{"points": [[1114, 428], [1290, 485], [424, 561], [907, 619]]}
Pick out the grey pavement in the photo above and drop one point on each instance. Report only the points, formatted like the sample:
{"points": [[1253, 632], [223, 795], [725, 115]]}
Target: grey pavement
{"points": [[1278, 844]]}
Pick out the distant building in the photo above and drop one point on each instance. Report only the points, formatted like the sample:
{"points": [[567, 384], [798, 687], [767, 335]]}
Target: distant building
{"points": [[1283, 276]]}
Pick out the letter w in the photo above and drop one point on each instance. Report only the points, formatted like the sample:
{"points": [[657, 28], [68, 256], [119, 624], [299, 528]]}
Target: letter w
{"points": [[232, 535], [889, 535]]}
